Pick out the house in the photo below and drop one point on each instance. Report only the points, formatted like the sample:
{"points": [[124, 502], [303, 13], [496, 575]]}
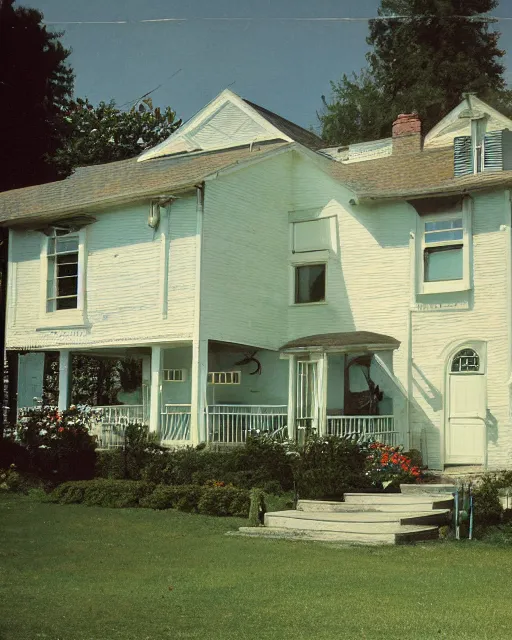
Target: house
{"points": [[267, 282]]}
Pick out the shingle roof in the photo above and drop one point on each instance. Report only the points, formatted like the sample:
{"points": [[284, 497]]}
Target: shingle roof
{"points": [[303, 136], [396, 173], [355, 339], [116, 182]]}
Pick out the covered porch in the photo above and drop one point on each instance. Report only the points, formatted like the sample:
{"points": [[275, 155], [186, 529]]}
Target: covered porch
{"points": [[342, 384], [219, 392]]}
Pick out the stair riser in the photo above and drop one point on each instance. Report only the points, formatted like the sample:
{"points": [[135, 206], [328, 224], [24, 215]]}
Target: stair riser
{"points": [[334, 536], [415, 501], [435, 519], [342, 507], [326, 525]]}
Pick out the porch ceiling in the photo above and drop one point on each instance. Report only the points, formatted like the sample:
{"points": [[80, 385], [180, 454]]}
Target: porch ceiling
{"points": [[348, 341]]}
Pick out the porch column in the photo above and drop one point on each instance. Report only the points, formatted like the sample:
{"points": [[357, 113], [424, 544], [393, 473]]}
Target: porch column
{"points": [[198, 426], [146, 387], [64, 379], [292, 385], [322, 395], [156, 388]]}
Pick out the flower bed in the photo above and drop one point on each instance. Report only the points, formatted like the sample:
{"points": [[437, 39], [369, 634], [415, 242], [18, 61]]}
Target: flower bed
{"points": [[390, 466]]}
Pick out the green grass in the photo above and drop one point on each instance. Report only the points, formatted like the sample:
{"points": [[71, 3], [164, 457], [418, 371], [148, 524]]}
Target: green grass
{"points": [[79, 573]]}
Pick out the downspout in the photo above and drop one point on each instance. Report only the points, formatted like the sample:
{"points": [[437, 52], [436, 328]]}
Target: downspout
{"points": [[411, 306], [508, 313]]}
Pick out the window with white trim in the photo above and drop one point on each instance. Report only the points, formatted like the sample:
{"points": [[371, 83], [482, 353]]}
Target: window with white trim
{"points": [[445, 239], [466, 361], [63, 278], [309, 283], [312, 235]]}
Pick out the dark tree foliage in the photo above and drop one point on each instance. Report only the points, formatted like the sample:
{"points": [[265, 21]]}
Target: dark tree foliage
{"points": [[35, 87], [424, 57], [106, 133]]}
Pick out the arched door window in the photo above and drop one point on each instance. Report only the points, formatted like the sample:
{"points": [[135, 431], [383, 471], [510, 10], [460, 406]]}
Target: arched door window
{"points": [[466, 361]]}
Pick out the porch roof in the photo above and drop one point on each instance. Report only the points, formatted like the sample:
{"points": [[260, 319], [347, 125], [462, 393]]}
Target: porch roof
{"points": [[346, 341]]}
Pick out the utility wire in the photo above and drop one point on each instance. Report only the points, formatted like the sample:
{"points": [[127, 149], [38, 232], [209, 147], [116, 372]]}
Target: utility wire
{"points": [[252, 19], [145, 95]]}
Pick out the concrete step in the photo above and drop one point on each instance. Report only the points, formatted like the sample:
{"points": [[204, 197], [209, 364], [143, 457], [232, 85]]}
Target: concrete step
{"points": [[403, 535], [351, 522], [321, 506], [385, 499], [429, 489]]}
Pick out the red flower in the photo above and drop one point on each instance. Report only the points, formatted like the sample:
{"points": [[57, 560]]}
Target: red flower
{"points": [[60, 429]]}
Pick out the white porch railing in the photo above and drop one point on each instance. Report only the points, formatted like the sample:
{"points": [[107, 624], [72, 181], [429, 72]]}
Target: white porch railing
{"points": [[175, 422], [109, 423], [234, 422], [381, 428]]}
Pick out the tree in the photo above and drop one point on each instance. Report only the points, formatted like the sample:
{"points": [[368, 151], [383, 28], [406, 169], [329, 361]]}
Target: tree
{"points": [[106, 133], [35, 87], [424, 56]]}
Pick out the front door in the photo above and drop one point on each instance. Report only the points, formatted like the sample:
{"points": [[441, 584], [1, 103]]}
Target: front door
{"points": [[465, 433]]}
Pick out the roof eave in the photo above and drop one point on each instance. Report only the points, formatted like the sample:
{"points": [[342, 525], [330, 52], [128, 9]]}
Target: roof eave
{"points": [[91, 207], [364, 347]]}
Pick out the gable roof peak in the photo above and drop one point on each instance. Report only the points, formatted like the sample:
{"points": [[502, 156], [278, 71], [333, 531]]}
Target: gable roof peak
{"points": [[229, 121]]}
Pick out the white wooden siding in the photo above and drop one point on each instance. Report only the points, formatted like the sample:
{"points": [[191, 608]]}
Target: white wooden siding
{"points": [[245, 277], [123, 282]]}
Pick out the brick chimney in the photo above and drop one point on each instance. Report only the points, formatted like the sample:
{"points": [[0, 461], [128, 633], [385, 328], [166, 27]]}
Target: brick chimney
{"points": [[407, 134]]}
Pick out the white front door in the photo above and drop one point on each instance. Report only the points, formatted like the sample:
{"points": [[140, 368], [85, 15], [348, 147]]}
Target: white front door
{"points": [[467, 404]]}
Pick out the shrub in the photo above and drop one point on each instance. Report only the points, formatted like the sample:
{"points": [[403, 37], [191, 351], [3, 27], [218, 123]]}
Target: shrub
{"points": [[487, 508], [217, 501], [58, 444], [326, 468], [102, 493], [110, 464], [224, 501], [389, 466], [183, 498]]}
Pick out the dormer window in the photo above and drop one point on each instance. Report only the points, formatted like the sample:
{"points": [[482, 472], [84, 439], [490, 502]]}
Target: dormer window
{"points": [[482, 151]]}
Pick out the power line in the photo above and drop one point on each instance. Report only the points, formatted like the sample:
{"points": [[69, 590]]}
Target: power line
{"points": [[134, 102], [293, 19]]}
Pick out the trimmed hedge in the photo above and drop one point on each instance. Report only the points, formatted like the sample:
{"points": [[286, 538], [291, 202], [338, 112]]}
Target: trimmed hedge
{"points": [[259, 463], [215, 501]]}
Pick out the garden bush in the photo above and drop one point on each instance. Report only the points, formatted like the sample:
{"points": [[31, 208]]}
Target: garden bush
{"points": [[58, 443], [487, 508], [184, 497], [388, 466], [326, 468], [217, 500], [102, 493]]}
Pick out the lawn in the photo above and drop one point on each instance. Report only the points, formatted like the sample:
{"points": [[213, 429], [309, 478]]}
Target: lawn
{"points": [[84, 573]]}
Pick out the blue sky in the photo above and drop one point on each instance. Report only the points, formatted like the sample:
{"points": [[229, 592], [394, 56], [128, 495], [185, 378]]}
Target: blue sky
{"points": [[268, 56]]}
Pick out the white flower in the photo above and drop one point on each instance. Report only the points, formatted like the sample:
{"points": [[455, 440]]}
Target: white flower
{"points": [[43, 432], [43, 446]]}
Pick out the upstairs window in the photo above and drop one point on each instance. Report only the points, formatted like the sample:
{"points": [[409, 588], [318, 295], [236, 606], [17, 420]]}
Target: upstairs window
{"points": [[62, 290], [443, 253], [312, 235], [309, 283], [445, 238]]}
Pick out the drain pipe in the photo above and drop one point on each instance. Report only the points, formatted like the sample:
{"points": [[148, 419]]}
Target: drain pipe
{"points": [[412, 302]]}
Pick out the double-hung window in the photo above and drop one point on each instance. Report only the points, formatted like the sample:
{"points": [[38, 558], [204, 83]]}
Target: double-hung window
{"points": [[63, 282], [445, 240]]}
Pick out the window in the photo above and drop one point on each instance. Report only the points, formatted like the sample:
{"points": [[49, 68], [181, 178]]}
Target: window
{"points": [[62, 285], [443, 253], [309, 283], [312, 235], [445, 249], [224, 377], [175, 375], [466, 361]]}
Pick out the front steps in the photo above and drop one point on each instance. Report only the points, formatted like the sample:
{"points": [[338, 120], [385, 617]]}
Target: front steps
{"points": [[364, 518]]}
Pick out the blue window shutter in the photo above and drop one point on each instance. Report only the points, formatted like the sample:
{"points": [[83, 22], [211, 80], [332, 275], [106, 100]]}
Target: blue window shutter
{"points": [[462, 156], [493, 151]]}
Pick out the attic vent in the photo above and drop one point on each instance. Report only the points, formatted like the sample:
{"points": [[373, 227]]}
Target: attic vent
{"points": [[497, 153], [224, 377]]}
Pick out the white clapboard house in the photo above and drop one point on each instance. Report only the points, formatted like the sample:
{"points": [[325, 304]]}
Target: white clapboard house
{"points": [[269, 283]]}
